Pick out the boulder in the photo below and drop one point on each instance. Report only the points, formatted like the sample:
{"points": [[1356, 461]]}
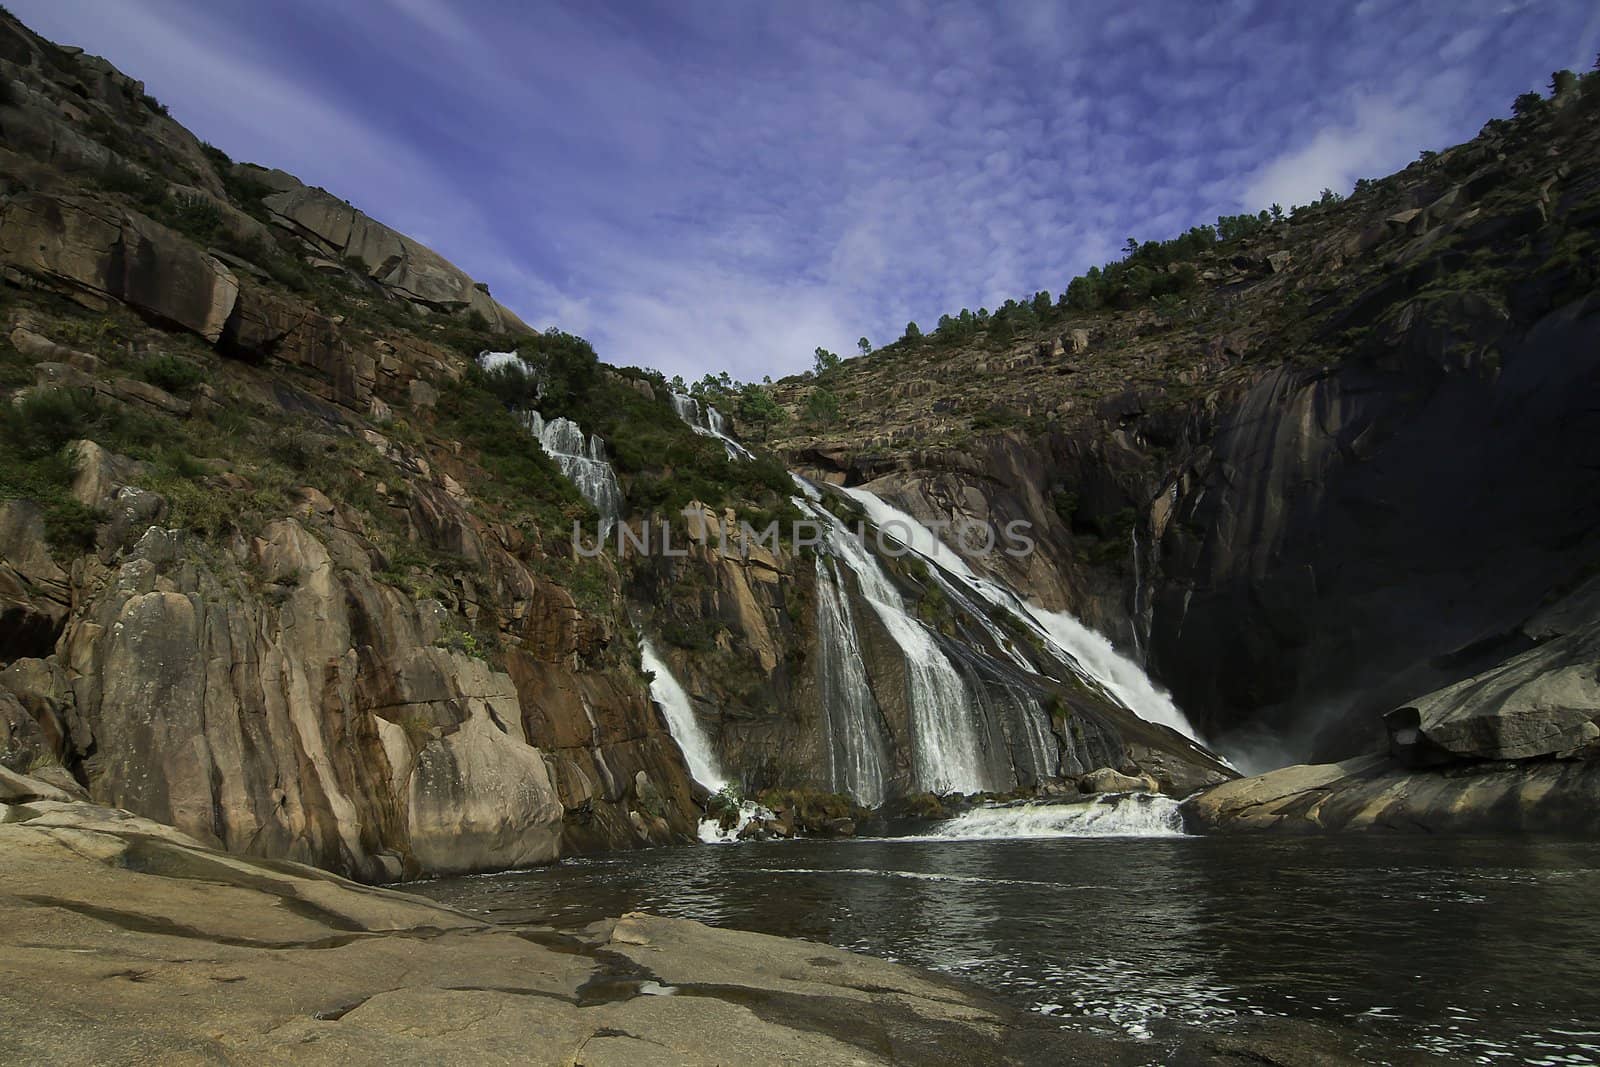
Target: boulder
{"points": [[1543, 702], [482, 798], [1107, 780]]}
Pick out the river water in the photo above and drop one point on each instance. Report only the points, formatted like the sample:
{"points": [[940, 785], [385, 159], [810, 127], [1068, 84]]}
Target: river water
{"points": [[1480, 950]]}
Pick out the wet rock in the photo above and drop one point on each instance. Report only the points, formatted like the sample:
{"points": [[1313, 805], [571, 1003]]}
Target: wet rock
{"points": [[1107, 780]]}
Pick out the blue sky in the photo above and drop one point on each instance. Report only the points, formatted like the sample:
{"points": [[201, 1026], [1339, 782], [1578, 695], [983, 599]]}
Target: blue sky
{"points": [[700, 185]]}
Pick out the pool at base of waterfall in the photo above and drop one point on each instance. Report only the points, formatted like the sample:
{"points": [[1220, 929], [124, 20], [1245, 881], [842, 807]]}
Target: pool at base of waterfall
{"points": [[1474, 949]]}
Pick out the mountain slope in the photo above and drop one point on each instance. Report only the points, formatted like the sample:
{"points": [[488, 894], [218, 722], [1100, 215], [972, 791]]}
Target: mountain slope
{"points": [[283, 564], [1336, 463]]}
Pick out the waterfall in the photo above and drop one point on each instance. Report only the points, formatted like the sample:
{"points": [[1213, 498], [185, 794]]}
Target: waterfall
{"points": [[493, 361], [1138, 588], [1111, 815], [1088, 654], [856, 751], [946, 752], [698, 755], [582, 460], [707, 420]]}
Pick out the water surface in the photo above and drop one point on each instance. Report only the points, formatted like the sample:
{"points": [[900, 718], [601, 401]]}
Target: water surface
{"points": [[1477, 949]]}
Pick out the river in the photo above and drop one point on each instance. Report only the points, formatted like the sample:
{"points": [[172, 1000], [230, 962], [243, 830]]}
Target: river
{"points": [[1475, 949]]}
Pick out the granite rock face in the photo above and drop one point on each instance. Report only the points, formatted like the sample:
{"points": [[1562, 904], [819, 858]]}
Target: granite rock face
{"points": [[99, 253]]}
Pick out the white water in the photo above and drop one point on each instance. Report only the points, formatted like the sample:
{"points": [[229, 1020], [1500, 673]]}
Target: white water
{"points": [[1089, 653], [582, 460], [707, 420], [491, 361], [712, 833], [698, 755], [856, 753], [945, 750], [1111, 815]]}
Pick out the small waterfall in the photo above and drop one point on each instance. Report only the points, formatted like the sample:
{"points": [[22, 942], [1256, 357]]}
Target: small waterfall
{"points": [[582, 460], [493, 361], [1110, 815], [1137, 617], [1087, 653], [946, 750], [856, 752], [698, 755], [707, 420]]}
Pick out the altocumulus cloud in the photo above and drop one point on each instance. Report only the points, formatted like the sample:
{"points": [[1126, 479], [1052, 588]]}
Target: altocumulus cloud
{"points": [[727, 185]]}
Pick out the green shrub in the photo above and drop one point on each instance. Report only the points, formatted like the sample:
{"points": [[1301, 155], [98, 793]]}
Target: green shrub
{"points": [[172, 373], [43, 421], [70, 526], [195, 216]]}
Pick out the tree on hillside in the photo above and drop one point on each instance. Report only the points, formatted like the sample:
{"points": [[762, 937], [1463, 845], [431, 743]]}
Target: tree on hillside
{"points": [[757, 409], [825, 360], [1529, 103], [913, 332], [822, 407], [1562, 82], [865, 346]]}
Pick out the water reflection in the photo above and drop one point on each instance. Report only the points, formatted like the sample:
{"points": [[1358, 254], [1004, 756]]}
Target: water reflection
{"points": [[1468, 948]]}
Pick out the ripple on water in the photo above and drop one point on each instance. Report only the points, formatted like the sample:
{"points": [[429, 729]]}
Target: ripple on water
{"points": [[1471, 950]]}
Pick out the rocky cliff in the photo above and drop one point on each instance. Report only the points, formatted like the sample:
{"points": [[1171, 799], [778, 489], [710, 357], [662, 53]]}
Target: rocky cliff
{"points": [[286, 563], [1337, 460]]}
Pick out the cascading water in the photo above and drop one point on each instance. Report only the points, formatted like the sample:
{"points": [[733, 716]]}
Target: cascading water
{"points": [[1111, 815], [1089, 654], [946, 749], [856, 752], [582, 460], [493, 361], [707, 420], [698, 755]]}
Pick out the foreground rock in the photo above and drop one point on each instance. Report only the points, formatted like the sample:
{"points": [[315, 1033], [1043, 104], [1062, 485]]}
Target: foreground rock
{"points": [[126, 940], [123, 935]]}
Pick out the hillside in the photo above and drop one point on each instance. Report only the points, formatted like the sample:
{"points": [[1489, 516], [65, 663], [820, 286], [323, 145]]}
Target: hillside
{"points": [[288, 566], [1305, 470]]}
